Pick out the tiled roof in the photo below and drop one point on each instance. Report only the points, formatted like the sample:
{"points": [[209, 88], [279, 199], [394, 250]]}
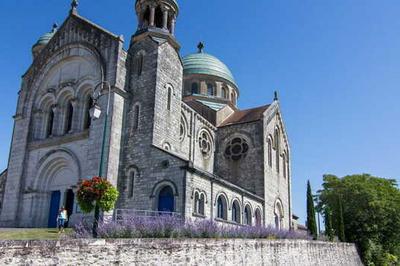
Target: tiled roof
{"points": [[245, 116]]}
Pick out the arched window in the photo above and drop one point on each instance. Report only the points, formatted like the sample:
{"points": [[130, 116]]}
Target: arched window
{"points": [[210, 89], [139, 64], [169, 98], [131, 183], [277, 148], [166, 200], [202, 203], [136, 117], [236, 212], [247, 215], [69, 117], [88, 119], [224, 93], [146, 17], [269, 152], [195, 88], [222, 208], [258, 217], [159, 17], [284, 165], [199, 201], [50, 122], [278, 215]]}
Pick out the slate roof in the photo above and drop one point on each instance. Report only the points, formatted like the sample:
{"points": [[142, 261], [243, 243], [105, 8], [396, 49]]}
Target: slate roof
{"points": [[245, 116]]}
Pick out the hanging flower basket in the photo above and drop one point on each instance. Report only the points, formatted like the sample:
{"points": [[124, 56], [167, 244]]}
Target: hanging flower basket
{"points": [[96, 191]]}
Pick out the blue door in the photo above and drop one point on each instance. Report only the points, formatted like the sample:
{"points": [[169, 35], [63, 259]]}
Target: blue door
{"points": [[54, 205], [166, 200]]}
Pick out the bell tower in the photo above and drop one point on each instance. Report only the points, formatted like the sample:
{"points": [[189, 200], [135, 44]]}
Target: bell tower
{"points": [[158, 16], [155, 74]]}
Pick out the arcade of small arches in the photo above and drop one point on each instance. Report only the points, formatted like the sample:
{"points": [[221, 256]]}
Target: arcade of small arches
{"points": [[210, 88], [68, 112], [160, 15]]}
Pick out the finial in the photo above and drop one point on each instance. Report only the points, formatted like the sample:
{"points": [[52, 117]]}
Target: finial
{"points": [[276, 96], [55, 27], [200, 46], [74, 6]]}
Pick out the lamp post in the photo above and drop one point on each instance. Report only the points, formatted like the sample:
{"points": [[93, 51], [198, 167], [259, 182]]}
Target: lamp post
{"points": [[95, 113]]}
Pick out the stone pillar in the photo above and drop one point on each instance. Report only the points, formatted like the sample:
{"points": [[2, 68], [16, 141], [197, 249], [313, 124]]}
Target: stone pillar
{"points": [[173, 26], [75, 115], [165, 19], [56, 120], [152, 15]]}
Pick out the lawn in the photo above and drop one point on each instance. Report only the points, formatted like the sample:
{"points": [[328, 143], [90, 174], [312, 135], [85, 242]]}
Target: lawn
{"points": [[31, 234]]}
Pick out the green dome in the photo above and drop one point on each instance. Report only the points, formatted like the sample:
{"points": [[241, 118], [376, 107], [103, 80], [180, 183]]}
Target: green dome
{"points": [[206, 64], [45, 38]]}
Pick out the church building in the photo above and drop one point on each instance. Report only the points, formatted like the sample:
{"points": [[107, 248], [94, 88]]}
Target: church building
{"points": [[165, 129]]}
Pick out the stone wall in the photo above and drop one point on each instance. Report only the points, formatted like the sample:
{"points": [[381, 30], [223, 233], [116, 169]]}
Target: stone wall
{"points": [[177, 252]]}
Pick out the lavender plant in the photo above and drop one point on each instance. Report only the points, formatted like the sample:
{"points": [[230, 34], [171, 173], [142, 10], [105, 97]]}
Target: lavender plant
{"points": [[172, 227]]}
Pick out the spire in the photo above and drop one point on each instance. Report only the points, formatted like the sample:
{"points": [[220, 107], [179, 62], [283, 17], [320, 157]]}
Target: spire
{"points": [[74, 7], [200, 46], [276, 96]]}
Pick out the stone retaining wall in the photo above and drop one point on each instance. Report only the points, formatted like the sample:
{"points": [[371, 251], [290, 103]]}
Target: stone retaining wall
{"points": [[177, 252]]}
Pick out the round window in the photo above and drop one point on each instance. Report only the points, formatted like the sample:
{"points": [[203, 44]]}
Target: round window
{"points": [[236, 149], [205, 143]]}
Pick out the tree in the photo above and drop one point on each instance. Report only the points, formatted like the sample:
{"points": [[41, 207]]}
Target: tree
{"points": [[367, 210], [96, 194], [311, 222], [329, 232]]}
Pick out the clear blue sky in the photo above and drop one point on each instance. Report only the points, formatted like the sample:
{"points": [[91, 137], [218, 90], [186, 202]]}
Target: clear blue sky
{"points": [[336, 64]]}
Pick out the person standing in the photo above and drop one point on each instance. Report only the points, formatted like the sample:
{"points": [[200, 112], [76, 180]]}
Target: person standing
{"points": [[61, 219]]}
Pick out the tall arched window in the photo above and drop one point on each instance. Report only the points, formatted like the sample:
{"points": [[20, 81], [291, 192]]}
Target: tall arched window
{"points": [[136, 116], [278, 215], [69, 117], [258, 217], [166, 200], [139, 64], [195, 88], [269, 152], [202, 203], [169, 98], [146, 17], [88, 119], [199, 201], [284, 165], [236, 212], [222, 208], [277, 149], [247, 215], [131, 183], [50, 122], [210, 89]]}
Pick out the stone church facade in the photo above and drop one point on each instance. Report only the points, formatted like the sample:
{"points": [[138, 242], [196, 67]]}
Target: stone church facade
{"points": [[175, 140]]}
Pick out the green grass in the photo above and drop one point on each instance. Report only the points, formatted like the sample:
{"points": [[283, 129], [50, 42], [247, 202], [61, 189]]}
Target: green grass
{"points": [[32, 234]]}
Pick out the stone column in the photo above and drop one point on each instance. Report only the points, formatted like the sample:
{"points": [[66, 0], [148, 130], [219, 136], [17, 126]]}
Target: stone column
{"points": [[165, 19], [152, 15], [57, 120], [75, 113], [173, 26]]}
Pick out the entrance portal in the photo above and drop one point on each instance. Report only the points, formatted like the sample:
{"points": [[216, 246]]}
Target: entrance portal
{"points": [[54, 206], [166, 200], [69, 204]]}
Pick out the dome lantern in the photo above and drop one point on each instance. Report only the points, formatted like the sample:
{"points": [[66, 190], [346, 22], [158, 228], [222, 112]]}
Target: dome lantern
{"points": [[43, 41]]}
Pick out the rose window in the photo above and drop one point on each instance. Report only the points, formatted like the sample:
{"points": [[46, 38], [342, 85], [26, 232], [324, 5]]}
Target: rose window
{"points": [[237, 149], [205, 143]]}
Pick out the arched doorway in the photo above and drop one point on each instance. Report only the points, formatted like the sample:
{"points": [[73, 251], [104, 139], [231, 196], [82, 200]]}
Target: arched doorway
{"points": [[166, 201]]}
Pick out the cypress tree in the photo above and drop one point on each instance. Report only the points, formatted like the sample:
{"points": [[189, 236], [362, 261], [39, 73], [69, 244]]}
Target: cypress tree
{"points": [[311, 223], [340, 222], [328, 224]]}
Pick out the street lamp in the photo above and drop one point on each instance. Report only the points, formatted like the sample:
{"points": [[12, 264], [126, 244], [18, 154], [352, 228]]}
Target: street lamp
{"points": [[95, 113]]}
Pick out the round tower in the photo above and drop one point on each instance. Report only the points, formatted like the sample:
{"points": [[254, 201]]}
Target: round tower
{"points": [[158, 15]]}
